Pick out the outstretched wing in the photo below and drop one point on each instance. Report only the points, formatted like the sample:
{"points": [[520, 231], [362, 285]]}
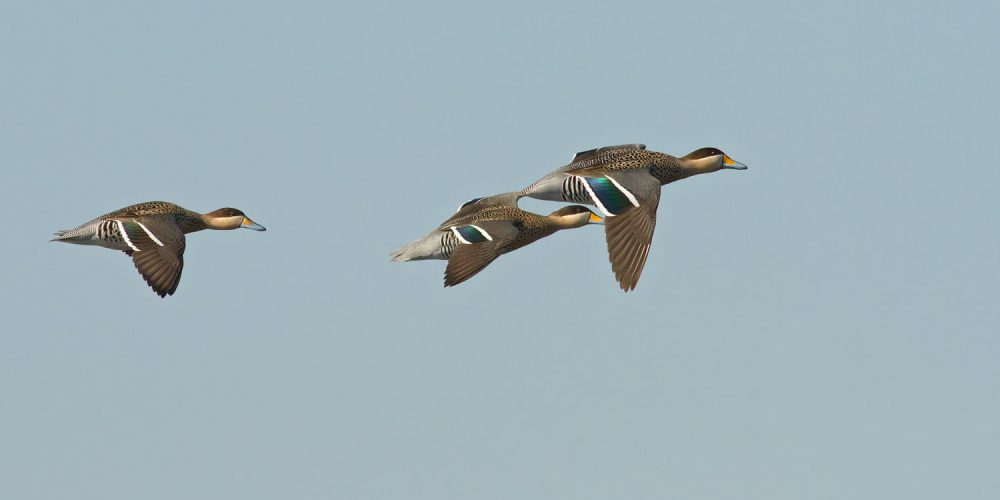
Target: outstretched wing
{"points": [[628, 199], [157, 250], [480, 244], [630, 232]]}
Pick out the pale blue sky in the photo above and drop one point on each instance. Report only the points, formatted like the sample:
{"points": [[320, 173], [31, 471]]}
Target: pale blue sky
{"points": [[823, 325]]}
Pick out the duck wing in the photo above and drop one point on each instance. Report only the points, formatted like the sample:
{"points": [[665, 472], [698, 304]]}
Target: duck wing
{"points": [[629, 199], [157, 250], [480, 244]]}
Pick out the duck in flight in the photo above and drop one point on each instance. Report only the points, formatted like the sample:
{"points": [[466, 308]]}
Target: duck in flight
{"points": [[623, 182], [486, 228], [152, 233]]}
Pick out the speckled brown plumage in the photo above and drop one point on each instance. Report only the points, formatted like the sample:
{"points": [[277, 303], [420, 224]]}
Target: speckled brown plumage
{"points": [[188, 221], [524, 228], [636, 175], [530, 226], [152, 233], [485, 228], [664, 167]]}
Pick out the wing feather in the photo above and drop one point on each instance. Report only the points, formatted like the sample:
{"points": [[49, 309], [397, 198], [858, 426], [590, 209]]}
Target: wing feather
{"points": [[467, 260], [159, 265], [629, 234]]}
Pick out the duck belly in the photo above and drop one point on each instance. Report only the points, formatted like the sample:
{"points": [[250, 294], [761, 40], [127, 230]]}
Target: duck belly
{"points": [[102, 233]]}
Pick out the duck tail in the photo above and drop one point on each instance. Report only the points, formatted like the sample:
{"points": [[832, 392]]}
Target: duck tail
{"points": [[428, 247], [398, 255], [65, 234], [404, 253], [80, 234]]}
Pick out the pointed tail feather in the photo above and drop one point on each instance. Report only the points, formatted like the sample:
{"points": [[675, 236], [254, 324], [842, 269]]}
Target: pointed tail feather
{"points": [[399, 255], [61, 235], [428, 247], [78, 234]]}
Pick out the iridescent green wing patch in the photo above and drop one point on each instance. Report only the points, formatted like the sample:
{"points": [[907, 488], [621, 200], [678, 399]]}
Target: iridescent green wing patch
{"points": [[471, 234], [609, 196]]}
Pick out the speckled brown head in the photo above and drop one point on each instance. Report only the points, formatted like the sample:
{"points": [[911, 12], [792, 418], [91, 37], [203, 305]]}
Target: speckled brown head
{"points": [[230, 218]]}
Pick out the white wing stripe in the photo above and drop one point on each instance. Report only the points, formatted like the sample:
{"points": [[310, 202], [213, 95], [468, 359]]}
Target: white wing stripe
{"points": [[121, 228], [597, 201], [621, 188], [461, 238], [459, 235], [483, 231], [153, 236]]}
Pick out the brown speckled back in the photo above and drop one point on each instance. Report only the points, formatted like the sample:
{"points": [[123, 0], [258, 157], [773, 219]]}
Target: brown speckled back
{"points": [[530, 226], [664, 167], [187, 220]]}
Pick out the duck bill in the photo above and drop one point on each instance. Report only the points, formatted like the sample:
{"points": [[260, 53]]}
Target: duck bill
{"points": [[730, 163], [249, 224], [595, 219]]}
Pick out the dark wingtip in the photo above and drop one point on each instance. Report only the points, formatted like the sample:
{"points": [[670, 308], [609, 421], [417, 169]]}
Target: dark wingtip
{"points": [[625, 285]]}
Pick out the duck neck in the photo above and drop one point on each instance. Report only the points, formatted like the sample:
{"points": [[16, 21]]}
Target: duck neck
{"points": [[668, 169], [558, 223], [700, 166], [218, 223], [191, 222]]}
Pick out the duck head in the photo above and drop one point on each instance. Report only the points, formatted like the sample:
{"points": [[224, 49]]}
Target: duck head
{"points": [[705, 160], [230, 218], [575, 216]]}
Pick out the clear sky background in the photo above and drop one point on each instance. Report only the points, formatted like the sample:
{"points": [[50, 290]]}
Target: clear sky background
{"points": [[823, 325]]}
